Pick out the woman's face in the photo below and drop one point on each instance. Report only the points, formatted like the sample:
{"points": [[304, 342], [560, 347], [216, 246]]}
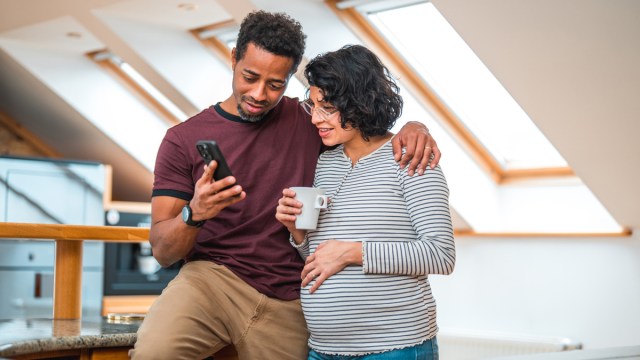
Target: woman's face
{"points": [[327, 119]]}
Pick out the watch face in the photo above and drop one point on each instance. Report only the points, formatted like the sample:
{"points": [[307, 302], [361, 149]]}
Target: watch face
{"points": [[185, 214]]}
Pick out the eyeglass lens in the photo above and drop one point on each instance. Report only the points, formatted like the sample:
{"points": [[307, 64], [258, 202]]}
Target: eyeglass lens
{"points": [[308, 106]]}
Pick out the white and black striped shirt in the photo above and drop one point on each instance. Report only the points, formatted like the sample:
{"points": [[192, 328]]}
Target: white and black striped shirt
{"points": [[405, 227]]}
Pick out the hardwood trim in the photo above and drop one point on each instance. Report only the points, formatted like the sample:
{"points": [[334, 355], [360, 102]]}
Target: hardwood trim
{"points": [[67, 280], [212, 43], [130, 207], [28, 136], [68, 273], [115, 353], [370, 36], [73, 232], [625, 232], [54, 354], [67, 294], [220, 50], [112, 353], [137, 304], [528, 174], [133, 87], [212, 27], [424, 94], [136, 234]]}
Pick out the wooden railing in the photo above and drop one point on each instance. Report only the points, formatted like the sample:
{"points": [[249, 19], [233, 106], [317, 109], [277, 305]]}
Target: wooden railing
{"points": [[67, 290]]}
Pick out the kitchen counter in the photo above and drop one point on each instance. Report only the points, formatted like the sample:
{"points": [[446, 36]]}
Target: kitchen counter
{"points": [[39, 336]]}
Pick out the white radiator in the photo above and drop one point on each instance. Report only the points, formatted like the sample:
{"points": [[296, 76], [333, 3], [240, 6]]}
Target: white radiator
{"points": [[473, 345]]}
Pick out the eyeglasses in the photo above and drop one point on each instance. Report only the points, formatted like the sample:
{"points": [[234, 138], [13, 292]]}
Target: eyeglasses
{"points": [[323, 114]]}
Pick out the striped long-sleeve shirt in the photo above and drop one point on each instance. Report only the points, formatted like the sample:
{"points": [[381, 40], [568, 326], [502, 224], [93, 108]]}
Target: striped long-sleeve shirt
{"points": [[405, 228]]}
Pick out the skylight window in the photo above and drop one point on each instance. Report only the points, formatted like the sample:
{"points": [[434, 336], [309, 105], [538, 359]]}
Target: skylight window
{"points": [[148, 90], [439, 55], [124, 117], [504, 176], [152, 91]]}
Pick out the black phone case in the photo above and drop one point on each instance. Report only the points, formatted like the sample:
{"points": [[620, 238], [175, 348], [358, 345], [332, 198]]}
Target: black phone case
{"points": [[209, 150]]}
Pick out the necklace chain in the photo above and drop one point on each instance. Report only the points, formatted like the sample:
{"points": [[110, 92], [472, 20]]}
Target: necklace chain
{"points": [[344, 178], [335, 194]]}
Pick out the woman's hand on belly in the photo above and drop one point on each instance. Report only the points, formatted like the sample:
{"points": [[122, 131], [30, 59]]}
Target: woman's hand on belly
{"points": [[330, 257]]}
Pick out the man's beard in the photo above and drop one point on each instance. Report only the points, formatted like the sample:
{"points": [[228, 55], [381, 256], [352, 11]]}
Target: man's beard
{"points": [[250, 118]]}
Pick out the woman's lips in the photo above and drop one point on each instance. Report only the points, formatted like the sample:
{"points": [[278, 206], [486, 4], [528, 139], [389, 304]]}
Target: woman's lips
{"points": [[324, 132]]}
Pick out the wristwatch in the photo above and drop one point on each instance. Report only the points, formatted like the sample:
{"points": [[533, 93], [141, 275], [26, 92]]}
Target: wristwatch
{"points": [[186, 217]]}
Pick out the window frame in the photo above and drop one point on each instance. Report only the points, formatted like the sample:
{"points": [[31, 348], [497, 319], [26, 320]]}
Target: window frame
{"points": [[363, 28], [104, 59]]}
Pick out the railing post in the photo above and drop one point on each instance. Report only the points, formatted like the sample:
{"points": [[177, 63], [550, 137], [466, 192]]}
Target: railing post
{"points": [[67, 290]]}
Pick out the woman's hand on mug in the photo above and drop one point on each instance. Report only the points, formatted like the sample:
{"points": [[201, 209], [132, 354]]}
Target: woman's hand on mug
{"points": [[286, 212]]}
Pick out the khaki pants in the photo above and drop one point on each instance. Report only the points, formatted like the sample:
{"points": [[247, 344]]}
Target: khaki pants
{"points": [[207, 307]]}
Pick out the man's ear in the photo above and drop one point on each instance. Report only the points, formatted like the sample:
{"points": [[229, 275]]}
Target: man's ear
{"points": [[233, 58]]}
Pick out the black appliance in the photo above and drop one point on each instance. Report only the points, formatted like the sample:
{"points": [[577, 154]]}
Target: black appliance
{"points": [[126, 270]]}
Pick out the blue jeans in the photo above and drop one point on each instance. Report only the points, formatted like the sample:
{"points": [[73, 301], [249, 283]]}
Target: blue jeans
{"points": [[428, 350]]}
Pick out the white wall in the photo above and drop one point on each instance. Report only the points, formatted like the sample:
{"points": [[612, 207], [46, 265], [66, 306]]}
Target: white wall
{"points": [[585, 289], [572, 66]]}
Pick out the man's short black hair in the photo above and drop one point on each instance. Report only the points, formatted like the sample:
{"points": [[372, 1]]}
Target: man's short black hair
{"points": [[276, 33], [354, 80]]}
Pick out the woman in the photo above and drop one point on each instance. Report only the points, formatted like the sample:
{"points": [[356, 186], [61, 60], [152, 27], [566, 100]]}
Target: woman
{"points": [[365, 290]]}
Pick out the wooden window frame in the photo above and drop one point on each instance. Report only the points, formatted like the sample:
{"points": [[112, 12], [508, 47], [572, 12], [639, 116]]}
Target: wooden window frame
{"points": [[28, 136], [362, 28], [103, 59]]}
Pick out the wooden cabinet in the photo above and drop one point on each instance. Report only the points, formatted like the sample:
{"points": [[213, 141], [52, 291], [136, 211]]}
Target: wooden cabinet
{"points": [[114, 353]]}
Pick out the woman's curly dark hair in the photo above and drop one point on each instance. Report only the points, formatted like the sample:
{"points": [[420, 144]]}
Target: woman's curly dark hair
{"points": [[277, 33], [354, 80]]}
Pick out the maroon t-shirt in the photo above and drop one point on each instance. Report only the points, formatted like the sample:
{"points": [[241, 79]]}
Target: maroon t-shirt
{"points": [[278, 152]]}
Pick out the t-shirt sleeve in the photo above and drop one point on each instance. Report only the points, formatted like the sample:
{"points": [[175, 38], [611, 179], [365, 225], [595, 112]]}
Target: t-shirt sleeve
{"points": [[173, 173], [433, 252]]}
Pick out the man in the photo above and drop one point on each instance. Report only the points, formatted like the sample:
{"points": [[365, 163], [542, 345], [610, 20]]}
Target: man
{"points": [[240, 283]]}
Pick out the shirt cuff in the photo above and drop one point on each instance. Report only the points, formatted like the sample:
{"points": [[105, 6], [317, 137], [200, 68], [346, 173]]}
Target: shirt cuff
{"points": [[302, 245]]}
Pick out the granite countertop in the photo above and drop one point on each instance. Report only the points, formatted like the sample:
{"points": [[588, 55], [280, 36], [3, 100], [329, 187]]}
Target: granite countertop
{"points": [[28, 336]]}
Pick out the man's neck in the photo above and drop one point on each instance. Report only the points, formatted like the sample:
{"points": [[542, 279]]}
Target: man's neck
{"points": [[230, 105]]}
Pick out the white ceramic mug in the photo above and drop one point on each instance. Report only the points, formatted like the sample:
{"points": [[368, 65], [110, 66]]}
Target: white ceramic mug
{"points": [[312, 199]]}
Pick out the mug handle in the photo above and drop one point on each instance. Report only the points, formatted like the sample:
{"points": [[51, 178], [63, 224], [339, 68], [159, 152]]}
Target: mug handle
{"points": [[321, 202]]}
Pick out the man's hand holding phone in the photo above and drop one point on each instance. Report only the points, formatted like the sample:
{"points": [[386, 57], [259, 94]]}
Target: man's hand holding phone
{"points": [[211, 195]]}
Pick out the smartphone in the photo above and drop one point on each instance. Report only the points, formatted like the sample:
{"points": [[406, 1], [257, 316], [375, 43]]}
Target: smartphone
{"points": [[209, 150]]}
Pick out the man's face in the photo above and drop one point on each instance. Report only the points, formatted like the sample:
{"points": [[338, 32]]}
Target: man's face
{"points": [[259, 81]]}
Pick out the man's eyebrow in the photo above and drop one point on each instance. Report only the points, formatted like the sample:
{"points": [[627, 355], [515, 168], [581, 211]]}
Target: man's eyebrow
{"points": [[253, 73]]}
